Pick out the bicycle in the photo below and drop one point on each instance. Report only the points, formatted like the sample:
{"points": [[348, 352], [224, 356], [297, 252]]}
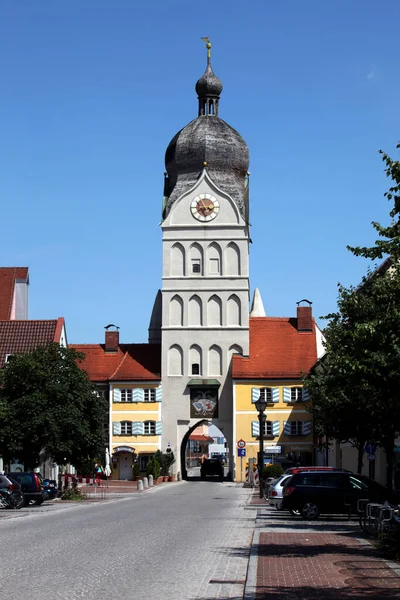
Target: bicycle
{"points": [[376, 518], [10, 499]]}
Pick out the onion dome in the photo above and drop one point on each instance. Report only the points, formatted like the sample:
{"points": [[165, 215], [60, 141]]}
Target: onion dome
{"points": [[208, 142]]}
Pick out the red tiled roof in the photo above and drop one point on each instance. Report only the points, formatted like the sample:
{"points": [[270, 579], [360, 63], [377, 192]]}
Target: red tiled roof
{"points": [[200, 438], [131, 362], [17, 337], [8, 276], [277, 350]]}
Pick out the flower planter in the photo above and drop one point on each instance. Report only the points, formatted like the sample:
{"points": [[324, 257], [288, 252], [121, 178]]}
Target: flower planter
{"points": [[172, 478], [165, 478], [160, 479]]}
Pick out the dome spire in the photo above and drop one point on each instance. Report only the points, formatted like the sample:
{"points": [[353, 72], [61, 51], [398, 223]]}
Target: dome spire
{"points": [[208, 88]]}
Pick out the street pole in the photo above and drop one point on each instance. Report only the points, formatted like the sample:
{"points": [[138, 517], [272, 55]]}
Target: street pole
{"points": [[261, 405], [261, 419]]}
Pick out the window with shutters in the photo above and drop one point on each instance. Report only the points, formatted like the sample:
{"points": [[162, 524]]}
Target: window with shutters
{"points": [[268, 428], [150, 395], [296, 394], [266, 394], [149, 428], [296, 428], [126, 428], [126, 395]]}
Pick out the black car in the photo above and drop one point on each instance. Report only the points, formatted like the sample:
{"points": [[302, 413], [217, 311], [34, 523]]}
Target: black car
{"points": [[32, 486], [331, 492], [212, 467], [51, 488]]}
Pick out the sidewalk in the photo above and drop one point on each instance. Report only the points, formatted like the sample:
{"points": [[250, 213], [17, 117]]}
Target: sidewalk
{"points": [[325, 560]]}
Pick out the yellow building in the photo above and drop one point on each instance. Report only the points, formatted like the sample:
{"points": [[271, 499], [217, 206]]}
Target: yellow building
{"points": [[282, 350], [128, 375]]}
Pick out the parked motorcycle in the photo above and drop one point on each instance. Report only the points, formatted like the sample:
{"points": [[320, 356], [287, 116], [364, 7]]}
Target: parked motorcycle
{"points": [[50, 488]]}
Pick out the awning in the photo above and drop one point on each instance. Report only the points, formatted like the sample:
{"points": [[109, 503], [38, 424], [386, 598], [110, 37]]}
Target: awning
{"points": [[204, 383]]}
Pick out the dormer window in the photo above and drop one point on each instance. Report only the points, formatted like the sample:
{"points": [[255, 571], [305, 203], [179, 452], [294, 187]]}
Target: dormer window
{"points": [[9, 358]]}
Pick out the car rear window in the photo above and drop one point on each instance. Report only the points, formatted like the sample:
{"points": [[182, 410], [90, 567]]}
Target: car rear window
{"points": [[307, 479]]}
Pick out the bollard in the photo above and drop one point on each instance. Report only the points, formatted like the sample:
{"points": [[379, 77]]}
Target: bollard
{"points": [[145, 483], [179, 477], [140, 485], [150, 480]]}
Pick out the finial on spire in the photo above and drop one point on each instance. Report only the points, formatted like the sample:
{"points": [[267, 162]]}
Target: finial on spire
{"points": [[208, 46]]}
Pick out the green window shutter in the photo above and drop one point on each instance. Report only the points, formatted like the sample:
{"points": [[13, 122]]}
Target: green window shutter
{"points": [[137, 428], [275, 394], [255, 394], [306, 427], [255, 428], [158, 427], [117, 395], [286, 427], [287, 394], [159, 394], [306, 395], [137, 395], [116, 428]]}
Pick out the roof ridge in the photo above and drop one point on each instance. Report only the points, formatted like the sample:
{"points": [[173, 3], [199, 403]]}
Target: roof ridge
{"points": [[119, 365]]}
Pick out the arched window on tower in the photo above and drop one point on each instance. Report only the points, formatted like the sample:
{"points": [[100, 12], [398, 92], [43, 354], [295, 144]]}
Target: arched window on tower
{"points": [[195, 359], [232, 259], [233, 310], [214, 361], [175, 360], [214, 255], [177, 267], [176, 311]]}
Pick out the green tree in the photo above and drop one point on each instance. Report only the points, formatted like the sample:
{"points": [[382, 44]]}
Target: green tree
{"points": [[49, 405], [355, 390]]}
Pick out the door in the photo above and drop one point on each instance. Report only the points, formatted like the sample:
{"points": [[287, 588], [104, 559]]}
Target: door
{"points": [[125, 465]]}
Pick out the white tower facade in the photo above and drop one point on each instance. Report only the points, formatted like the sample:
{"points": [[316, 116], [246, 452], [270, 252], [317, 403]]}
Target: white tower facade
{"points": [[205, 280]]}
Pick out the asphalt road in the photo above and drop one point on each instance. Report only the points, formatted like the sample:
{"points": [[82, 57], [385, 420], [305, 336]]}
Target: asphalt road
{"points": [[182, 541]]}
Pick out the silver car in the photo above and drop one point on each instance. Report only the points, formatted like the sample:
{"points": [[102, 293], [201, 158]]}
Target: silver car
{"points": [[275, 491]]}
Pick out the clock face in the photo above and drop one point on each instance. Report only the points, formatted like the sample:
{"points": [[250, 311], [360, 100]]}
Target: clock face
{"points": [[205, 207]]}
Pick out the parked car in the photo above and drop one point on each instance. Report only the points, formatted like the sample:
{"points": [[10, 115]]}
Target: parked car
{"points": [[51, 488], [293, 470], [212, 467], [331, 492], [11, 492], [275, 489], [32, 486]]}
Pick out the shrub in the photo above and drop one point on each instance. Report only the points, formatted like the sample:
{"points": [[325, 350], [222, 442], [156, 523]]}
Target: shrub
{"points": [[272, 471], [389, 544]]}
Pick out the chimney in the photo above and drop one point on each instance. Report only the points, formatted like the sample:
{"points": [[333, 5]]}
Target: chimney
{"points": [[112, 338], [304, 316]]}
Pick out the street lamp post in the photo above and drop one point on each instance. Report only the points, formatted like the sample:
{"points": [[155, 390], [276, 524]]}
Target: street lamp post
{"points": [[261, 406]]}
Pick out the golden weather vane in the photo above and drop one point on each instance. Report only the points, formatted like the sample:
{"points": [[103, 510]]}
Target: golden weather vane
{"points": [[208, 46]]}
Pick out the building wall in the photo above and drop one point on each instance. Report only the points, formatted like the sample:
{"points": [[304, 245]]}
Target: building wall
{"points": [[278, 413], [136, 411]]}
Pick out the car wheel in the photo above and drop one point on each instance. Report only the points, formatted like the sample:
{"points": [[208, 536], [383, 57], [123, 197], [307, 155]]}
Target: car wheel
{"points": [[16, 500], [309, 511]]}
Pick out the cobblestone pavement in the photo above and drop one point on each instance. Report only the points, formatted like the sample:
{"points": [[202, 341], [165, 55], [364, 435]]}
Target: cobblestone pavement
{"points": [[326, 559]]}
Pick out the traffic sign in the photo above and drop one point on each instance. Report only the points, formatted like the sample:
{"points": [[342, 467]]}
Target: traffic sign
{"points": [[370, 449], [241, 444], [241, 452]]}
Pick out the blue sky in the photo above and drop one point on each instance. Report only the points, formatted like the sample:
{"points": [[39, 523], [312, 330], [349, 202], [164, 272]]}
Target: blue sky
{"points": [[92, 91]]}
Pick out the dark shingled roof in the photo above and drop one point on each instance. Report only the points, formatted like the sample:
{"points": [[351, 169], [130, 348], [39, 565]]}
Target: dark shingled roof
{"points": [[208, 139], [17, 337]]}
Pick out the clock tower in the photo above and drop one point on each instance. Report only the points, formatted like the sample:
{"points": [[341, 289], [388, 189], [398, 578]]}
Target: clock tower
{"points": [[204, 304]]}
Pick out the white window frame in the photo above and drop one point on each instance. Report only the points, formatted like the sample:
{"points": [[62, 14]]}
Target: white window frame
{"points": [[268, 428], [296, 427], [149, 428], [149, 395], [266, 394], [296, 394], [126, 395], [126, 428]]}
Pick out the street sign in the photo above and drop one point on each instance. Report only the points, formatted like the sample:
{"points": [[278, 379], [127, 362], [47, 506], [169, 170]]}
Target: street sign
{"points": [[241, 452], [370, 449], [371, 456], [241, 444], [272, 449]]}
